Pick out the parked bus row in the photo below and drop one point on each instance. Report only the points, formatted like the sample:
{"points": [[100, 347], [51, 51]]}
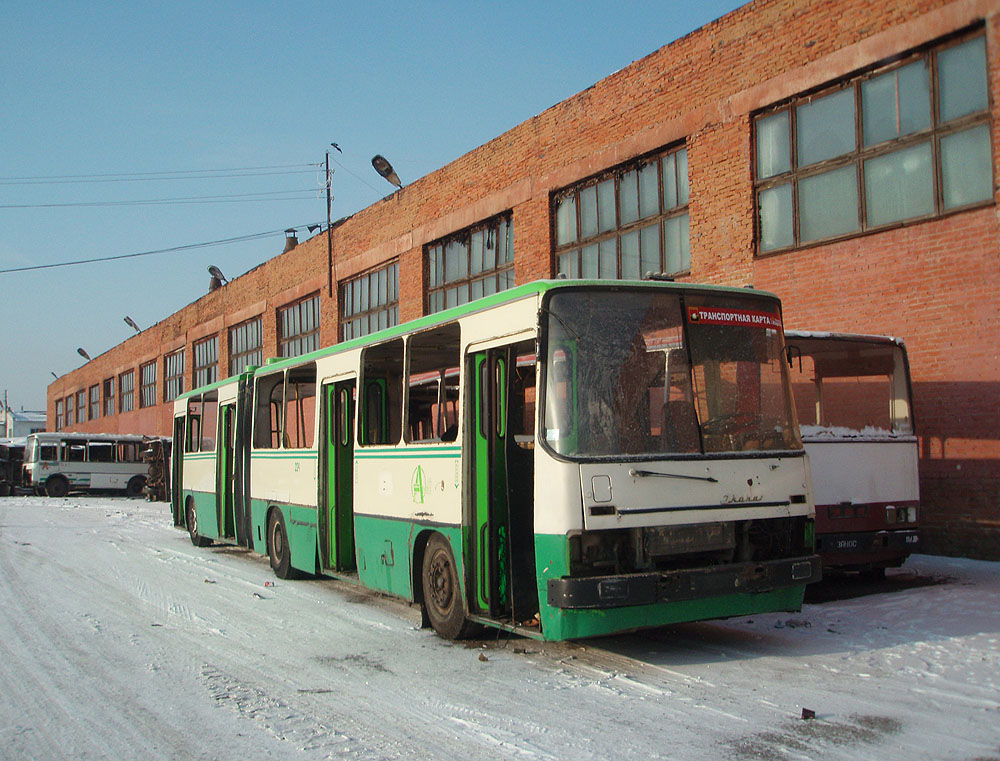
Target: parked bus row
{"points": [[564, 459]]}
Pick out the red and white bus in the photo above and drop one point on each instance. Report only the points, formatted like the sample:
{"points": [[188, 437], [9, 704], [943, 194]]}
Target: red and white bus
{"points": [[855, 410]]}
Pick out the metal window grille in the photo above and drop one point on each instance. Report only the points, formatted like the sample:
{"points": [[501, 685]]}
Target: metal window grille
{"points": [[173, 375], [126, 388], [206, 362], [147, 385]]}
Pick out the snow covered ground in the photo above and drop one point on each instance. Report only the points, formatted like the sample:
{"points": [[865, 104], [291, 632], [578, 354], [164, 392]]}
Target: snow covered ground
{"points": [[118, 639]]}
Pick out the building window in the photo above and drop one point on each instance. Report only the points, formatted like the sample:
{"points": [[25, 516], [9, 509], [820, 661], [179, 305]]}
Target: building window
{"points": [[626, 222], [81, 406], [69, 411], [126, 388], [147, 385], [109, 396], [475, 262], [298, 327], [369, 302], [59, 414], [206, 362], [245, 346], [173, 375], [95, 402], [904, 142]]}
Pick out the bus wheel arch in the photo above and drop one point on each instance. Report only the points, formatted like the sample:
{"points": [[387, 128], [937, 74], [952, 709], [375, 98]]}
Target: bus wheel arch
{"points": [[441, 598], [135, 486], [191, 517], [56, 486]]}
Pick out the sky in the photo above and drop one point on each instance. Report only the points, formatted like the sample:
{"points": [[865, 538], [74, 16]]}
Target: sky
{"points": [[133, 128]]}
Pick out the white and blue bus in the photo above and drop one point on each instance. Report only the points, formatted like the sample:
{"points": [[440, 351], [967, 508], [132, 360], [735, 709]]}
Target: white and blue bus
{"points": [[561, 460]]}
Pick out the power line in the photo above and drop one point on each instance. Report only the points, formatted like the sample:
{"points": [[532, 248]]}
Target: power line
{"points": [[173, 174], [241, 198], [224, 241]]}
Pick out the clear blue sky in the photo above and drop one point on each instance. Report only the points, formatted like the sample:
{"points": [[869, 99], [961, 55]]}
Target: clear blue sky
{"points": [[106, 104]]}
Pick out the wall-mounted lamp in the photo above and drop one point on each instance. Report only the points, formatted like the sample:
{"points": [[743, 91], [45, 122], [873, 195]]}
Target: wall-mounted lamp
{"points": [[83, 354], [131, 323], [313, 228], [54, 375], [384, 168]]}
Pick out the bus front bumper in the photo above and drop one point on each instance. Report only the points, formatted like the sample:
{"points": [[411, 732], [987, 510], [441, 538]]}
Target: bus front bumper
{"points": [[688, 584]]}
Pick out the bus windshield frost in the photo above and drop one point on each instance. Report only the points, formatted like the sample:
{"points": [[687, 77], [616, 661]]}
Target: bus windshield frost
{"points": [[648, 383]]}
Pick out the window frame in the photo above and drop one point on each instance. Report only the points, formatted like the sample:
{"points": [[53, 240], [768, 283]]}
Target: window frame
{"points": [[239, 338], [307, 340], [863, 155], [147, 384], [126, 392], [382, 311], [95, 401], [622, 228], [173, 375], [205, 364], [439, 290]]}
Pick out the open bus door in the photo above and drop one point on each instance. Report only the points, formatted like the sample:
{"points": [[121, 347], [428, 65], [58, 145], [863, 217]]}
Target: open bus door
{"points": [[336, 497], [224, 471], [242, 518], [501, 569]]}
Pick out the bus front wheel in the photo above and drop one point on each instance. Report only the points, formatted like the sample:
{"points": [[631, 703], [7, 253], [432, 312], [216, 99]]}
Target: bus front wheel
{"points": [[192, 525], [442, 591], [57, 486]]}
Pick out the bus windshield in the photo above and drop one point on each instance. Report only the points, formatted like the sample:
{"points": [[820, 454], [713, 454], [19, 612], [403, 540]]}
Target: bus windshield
{"points": [[637, 372]]}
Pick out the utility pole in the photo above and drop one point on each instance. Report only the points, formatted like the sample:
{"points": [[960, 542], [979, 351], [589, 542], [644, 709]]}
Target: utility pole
{"points": [[329, 233]]}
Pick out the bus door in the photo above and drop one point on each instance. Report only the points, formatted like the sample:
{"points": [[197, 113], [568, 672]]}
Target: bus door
{"points": [[242, 422], [336, 497], [176, 470], [224, 470], [502, 566]]}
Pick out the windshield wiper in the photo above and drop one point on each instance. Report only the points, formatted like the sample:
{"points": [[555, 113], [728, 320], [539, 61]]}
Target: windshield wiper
{"points": [[651, 473]]}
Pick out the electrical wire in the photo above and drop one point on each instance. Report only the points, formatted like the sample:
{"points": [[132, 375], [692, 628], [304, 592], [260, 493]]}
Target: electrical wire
{"points": [[177, 174], [222, 242], [241, 198]]}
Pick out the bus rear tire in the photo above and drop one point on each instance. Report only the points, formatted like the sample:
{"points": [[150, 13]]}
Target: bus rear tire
{"points": [[192, 526], [278, 550], [442, 594], [135, 486], [57, 486]]}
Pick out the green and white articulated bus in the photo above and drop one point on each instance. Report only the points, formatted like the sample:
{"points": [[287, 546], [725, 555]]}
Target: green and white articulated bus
{"points": [[564, 459]]}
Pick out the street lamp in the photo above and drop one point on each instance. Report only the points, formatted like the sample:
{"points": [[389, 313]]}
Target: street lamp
{"points": [[83, 354], [384, 168], [131, 323]]}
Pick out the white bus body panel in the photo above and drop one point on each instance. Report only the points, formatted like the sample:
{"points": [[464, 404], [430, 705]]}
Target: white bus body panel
{"points": [[862, 472]]}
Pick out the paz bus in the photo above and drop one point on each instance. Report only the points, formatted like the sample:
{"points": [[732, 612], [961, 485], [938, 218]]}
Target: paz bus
{"points": [[855, 411], [564, 459], [57, 463]]}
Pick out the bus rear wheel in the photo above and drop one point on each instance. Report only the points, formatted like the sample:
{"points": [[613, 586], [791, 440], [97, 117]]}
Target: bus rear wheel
{"points": [[135, 486], [57, 486], [278, 551], [442, 591], [192, 525]]}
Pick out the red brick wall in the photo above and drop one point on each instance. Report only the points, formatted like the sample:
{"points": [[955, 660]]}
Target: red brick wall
{"points": [[935, 284]]}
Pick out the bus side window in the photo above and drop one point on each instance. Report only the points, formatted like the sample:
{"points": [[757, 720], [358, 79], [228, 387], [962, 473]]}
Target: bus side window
{"points": [[432, 385], [268, 406], [300, 407], [382, 379]]}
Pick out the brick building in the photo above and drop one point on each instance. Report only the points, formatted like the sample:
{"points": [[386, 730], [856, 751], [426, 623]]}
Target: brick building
{"points": [[842, 155]]}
